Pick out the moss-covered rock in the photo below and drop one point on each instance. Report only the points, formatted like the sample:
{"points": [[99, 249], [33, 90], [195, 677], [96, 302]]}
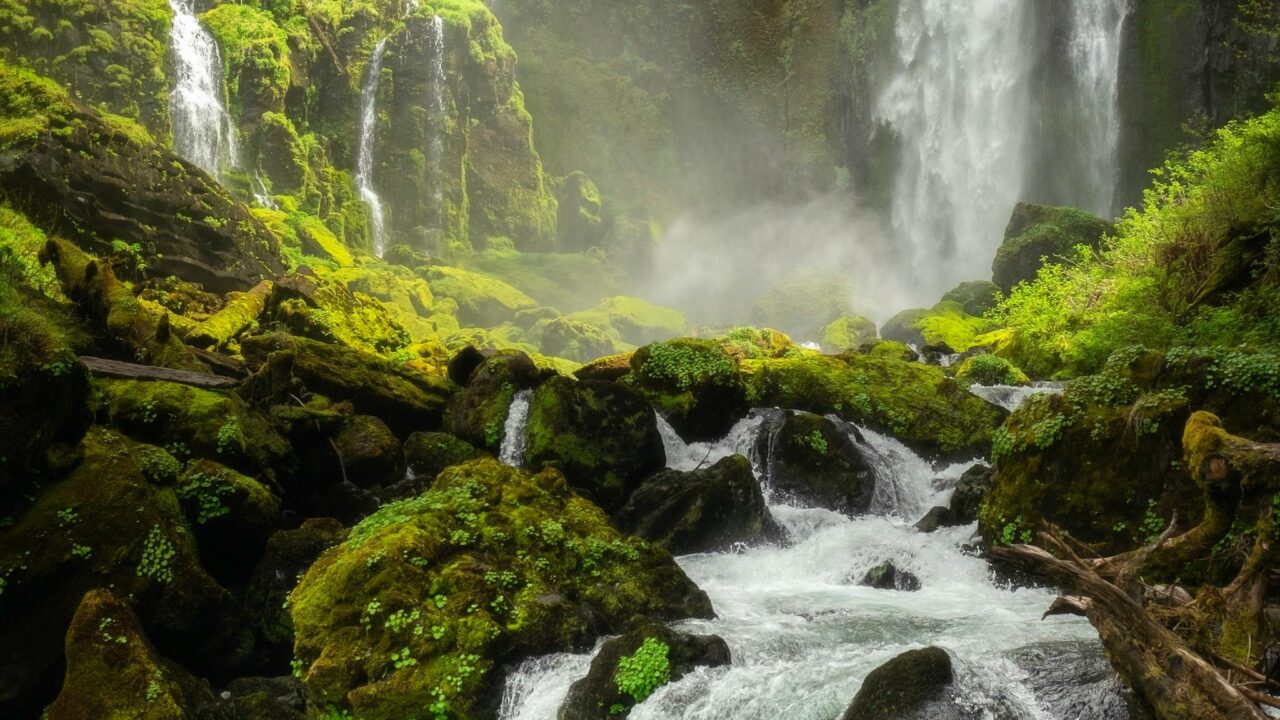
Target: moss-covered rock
{"points": [[913, 684], [240, 313], [1038, 233], [407, 297], [326, 310], [848, 333], [946, 327], [816, 463], [482, 300], [478, 412], [988, 369], [579, 223], [975, 296], [695, 384], [890, 350], [602, 436], [230, 516], [918, 404], [628, 669], [578, 340], [706, 510], [608, 369], [114, 672], [805, 301], [405, 399], [636, 321], [430, 597], [745, 343], [429, 453], [255, 57], [108, 524], [371, 454]]}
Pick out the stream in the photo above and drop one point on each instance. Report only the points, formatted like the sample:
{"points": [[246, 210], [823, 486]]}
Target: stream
{"points": [[803, 634]]}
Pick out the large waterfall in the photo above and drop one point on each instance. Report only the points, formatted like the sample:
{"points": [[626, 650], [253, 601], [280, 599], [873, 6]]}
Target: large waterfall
{"points": [[364, 152], [202, 129], [961, 105]]}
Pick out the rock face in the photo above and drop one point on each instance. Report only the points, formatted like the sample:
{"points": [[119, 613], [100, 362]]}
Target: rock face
{"points": [[912, 686], [695, 384], [628, 669], [816, 463], [976, 297], [104, 178], [601, 435], [1036, 232], [491, 565], [705, 510]]}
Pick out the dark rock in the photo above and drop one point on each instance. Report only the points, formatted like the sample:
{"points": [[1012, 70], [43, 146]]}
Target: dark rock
{"points": [[607, 369], [429, 453], [1074, 680], [287, 556], [887, 576], [907, 687], [700, 511], [695, 384], [936, 518], [263, 698], [597, 696], [371, 454], [816, 462], [1037, 234], [464, 363], [602, 436], [902, 327], [231, 516], [478, 412], [967, 498], [976, 296]]}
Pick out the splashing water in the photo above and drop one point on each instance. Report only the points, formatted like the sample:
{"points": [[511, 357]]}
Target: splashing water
{"points": [[202, 130], [364, 151], [1012, 397], [804, 634], [513, 431]]}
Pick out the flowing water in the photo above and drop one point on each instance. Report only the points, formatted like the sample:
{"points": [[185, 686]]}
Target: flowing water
{"points": [[364, 150], [202, 130], [513, 431], [437, 117], [960, 102], [804, 634], [1011, 397]]}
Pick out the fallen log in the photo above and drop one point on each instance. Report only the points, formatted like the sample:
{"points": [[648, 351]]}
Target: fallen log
{"points": [[102, 367]]}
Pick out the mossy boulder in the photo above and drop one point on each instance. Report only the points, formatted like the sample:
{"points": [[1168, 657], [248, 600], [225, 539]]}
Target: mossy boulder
{"points": [[108, 524], [429, 453], [707, 510], [406, 400], [916, 403], [628, 669], [240, 313], [478, 412], [816, 463], [946, 327], [429, 598], [483, 301], [915, 684], [975, 296], [890, 350], [371, 454], [804, 302], [636, 321], [695, 384], [195, 422], [575, 339], [887, 576], [230, 515], [104, 179], [407, 297], [749, 343], [326, 310], [602, 436], [579, 222], [1037, 234], [848, 333], [988, 369], [113, 671], [609, 368], [285, 559]]}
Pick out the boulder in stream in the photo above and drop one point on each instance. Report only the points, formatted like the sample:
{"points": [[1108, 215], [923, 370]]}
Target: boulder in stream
{"points": [[817, 463], [915, 685], [887, 576]]}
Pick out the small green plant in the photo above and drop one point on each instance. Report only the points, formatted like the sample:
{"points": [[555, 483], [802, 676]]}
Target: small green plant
{"points": [[229, 436], [645, 670], [816, 442], [1015, 532], [67, 516], [207, 491], [402, 659], [131, 253], [492, 434], [83, 552], [157, 556], [1152, 524], [153, 687]]}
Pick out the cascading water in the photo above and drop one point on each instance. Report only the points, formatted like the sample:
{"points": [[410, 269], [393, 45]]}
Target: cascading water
{"points": [[513, 430], [803, 633], [436, 111], [202, 130], [1012, 397], [960, 103], [364, 151]]}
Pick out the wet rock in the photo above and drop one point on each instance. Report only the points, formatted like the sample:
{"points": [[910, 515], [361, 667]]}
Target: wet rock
{"points": [[113, 670], [1074, 680], [705, 510], [371, 454], [1038, 233], [933, 520], [602, 436], [666, 654], [464, 363], [977, 296], [608, 369], [912, 686], [887, 576], [817, 463], [429, 453], [261, 698], [478, 412], [695, 384], [971, 489]]}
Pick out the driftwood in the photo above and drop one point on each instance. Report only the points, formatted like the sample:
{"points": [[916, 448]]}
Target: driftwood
{"points": [[102, 367]]}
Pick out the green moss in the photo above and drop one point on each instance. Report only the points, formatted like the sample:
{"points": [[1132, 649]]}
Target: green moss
{"points": [[636, 321], [805, 301], [645, 670], [566, 281], [989, 369], [429, 595], [848, 333], [255, 56], [578, 340], [482, 300]]}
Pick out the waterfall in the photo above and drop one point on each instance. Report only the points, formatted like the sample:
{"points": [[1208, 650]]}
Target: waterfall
{"points": [[513, 431], [1096, 35], [364, 151], [960, 104], [1012, 397], [436, 111], [202, 130]]}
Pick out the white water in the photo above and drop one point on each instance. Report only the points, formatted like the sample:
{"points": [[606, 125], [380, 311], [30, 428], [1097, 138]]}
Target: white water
{"points": [[513, 430], [202, 130], [436, 111], [804, 634], [364, 150], [1012, 397], [960, 101]]}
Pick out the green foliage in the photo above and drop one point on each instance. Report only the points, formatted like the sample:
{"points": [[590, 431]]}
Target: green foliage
{"points": [[209, 493], [157, 556], [685, 366], [645, 670], [987, 369]]}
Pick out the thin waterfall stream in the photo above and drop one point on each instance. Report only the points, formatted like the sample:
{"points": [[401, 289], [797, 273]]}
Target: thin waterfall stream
{"points": [[364, 150], [803, 633], [511, 451]]}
